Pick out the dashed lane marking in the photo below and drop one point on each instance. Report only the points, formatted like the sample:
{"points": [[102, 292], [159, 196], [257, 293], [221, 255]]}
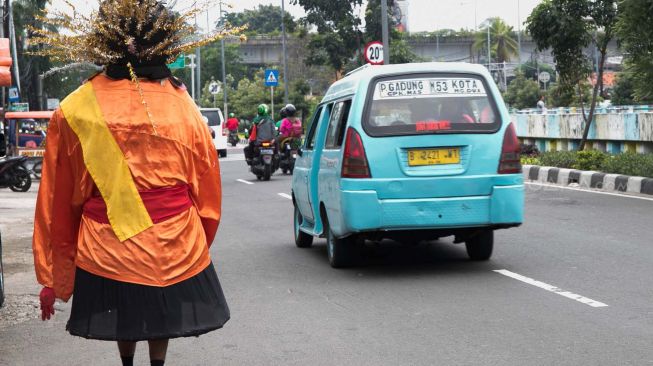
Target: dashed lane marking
{"points": [[553, 186], [232, 158], [285, 195], [551, 288], [244, 181]]}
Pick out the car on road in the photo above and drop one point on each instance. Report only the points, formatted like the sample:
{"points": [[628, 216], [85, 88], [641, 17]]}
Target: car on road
{"points": [[216, 124], [408, 152]]}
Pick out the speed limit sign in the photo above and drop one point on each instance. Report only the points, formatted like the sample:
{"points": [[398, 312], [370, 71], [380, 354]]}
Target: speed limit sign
{"points": [[374, 53]]}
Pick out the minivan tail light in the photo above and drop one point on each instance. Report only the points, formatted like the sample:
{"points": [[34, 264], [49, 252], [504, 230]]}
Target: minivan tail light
{"points": [[225, 132], [354, 161], [510, 161]]}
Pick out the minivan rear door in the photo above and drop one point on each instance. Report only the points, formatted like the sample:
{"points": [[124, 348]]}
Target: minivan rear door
{"points": [[438, 128]]}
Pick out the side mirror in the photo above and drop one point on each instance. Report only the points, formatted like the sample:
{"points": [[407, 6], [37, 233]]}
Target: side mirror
{"points": [[300, 152]]}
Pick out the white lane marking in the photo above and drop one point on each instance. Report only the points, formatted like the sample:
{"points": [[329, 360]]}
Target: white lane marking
{"points": [[244, 181], [589, 191], [284, 195], [232, 158], [551, 288]]}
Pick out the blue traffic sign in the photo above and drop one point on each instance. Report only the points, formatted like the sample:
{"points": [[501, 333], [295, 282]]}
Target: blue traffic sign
{"points": [[13, 95], [271, 77]]}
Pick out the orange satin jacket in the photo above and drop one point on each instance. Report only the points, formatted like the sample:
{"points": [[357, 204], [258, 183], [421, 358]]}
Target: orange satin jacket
{"points": [[182, 153]]}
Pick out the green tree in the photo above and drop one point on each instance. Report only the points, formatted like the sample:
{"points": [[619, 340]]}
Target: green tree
{"points": [[211, 66], [263, 20], [636, 36], [522, 92], [531, 68], [623, 92], [25, 16], [250, 93], [338, 35], [559, 95], [502, 42], [567, 27]]}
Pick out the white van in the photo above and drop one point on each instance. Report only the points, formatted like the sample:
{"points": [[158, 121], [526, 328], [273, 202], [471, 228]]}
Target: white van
{"points": [[216, 122]]}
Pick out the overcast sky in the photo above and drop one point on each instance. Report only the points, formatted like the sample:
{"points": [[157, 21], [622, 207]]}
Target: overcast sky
{"points": [[423, 15]]}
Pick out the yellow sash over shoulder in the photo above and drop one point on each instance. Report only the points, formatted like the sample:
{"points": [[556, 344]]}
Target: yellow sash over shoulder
{"points": [[106, 163]]}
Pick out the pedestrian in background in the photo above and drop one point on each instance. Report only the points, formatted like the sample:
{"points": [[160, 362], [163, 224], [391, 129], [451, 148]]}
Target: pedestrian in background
{"points": [[129, 201], [541, 105]]}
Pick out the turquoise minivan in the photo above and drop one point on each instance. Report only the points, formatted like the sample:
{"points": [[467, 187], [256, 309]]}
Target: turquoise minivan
{"points": [[408, 152]]}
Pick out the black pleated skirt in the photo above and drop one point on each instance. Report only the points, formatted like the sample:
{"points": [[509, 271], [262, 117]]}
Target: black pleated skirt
{"points": [[107, 309]]}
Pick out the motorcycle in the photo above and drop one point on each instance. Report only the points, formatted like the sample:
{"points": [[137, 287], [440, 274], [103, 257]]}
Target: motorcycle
{"points": [[233, 138], [289, 147], [265, 161], [14, 175]]}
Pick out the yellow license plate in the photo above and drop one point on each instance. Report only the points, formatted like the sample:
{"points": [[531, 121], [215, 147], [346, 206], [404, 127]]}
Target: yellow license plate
{"points": [[433, 156]]}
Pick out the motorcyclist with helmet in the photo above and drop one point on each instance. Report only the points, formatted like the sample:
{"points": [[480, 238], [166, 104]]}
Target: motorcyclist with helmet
{"points": [[289, 139], [232, 126], [291, 126], [262, 130], [283, 114], [232, 123]]}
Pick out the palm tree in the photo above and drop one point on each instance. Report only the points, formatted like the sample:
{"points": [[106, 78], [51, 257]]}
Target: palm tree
{"points": [[503, 45]]}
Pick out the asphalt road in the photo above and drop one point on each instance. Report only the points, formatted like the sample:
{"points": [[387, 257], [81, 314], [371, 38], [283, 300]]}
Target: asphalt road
{"points": [[409, 305]]}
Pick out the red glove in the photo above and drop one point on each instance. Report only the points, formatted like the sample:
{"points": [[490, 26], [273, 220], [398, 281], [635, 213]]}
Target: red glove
{"points": [[47, 303]]}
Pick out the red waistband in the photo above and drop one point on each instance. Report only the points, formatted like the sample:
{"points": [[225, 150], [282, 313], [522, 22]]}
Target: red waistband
{"points": [[161, 204]]}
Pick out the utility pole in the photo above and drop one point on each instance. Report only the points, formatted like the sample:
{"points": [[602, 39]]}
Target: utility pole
{"points": [[518, 35], [2, 35], [192, 76], [12, 41], [198, 57], [384, 32], [285, 55], [489, 57], [225, 109]]}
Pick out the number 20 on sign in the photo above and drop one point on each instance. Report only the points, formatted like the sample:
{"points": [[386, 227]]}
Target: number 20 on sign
{"points": [[374, 53]]}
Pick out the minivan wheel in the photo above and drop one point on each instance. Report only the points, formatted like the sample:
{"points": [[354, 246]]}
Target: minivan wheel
{"points": [[222, 153], [479, 246], [302, 240], [341, 252]]}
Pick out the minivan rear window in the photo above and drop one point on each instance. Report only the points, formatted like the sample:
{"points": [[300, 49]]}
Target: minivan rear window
{"points": [[213, 116], [431, 103]]}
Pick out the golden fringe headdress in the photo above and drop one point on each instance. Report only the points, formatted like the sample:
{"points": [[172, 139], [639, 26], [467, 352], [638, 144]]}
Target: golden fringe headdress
{"points": [[121, 30]]}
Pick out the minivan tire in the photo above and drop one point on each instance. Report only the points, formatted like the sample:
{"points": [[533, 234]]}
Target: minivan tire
{"points": [[341, 252], [222, 153], [302, 240], [479, 246]]}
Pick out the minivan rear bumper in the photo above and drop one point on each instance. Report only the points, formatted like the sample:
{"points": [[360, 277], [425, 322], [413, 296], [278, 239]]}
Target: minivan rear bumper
{"points": [[364, 211]]}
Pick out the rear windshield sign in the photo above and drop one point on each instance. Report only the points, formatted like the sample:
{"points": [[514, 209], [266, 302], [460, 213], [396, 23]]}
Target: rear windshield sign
{"points": [[431, 87]]}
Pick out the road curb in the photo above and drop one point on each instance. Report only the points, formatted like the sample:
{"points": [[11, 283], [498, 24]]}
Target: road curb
{"points": [[588, 179]]}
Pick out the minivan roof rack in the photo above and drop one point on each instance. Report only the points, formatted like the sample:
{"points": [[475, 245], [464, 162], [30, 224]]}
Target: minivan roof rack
{"points": [[358, 69]]}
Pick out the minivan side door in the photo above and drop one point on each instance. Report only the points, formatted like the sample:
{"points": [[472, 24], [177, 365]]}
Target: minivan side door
{"points": [[327, 187], [303, 166]]}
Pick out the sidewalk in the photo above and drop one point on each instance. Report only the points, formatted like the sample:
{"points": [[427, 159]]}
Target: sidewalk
{"points": [[16, 224]]}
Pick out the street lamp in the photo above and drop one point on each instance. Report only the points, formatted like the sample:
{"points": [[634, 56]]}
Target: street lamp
{"points": [[285, 56], [225, 108], [384, 32], [518, 34], [192, 74]]}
